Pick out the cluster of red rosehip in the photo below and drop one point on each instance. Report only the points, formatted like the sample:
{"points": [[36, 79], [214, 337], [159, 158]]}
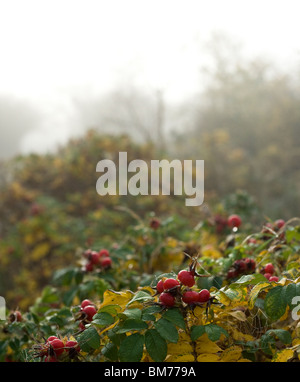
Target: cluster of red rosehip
{"points": [[268, 271], [233, 221], [241, 267], [177, 290], [54, 349], [86, 313], [97, 259], [247, 266], [275, 226]]}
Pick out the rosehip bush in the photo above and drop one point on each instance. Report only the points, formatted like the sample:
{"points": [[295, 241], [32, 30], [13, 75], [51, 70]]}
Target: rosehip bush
{"points": [[233, 303]]}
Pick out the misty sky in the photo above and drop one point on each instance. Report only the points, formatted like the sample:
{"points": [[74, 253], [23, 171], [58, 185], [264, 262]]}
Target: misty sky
{"points": [[52, 50]]}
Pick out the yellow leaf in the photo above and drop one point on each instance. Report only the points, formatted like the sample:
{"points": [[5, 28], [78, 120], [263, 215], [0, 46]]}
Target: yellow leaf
{"points": [[181, 358], [180, 347], [223, 298], [283, 355], [111, 297], [239, 336], [208, 358], [231, 354], [239, 315], [255, 292], [204, 345]]}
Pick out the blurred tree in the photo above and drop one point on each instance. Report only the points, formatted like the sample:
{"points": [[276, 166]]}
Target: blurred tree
{"points": [[17, 118], [246, 128]]}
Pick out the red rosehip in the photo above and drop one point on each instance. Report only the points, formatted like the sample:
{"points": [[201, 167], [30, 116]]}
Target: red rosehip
{"points": [[18, 316], [160, 286], [273, 278], [90, 311], [204, 295], [94, 257], [86, 302], [279, 223], [51, 338], [81, 326], [170, 283], [89, 267], [167, 299], [234, 221], [154, 223], [240, 265], [190, 297], [186, 278], [267, 275], [87, 253], [232, 273], [269, 268], [106, 262], [250, 264], [72, 345], [104, 253], [57, 346]]}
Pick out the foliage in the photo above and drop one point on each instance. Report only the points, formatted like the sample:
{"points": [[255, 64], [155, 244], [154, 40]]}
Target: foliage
{"points": [[246, 318]]}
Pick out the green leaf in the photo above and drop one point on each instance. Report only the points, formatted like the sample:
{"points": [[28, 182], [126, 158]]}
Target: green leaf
{"points": [[131, 348], [111, 309], [197, 331], [156, 345], [283, 335], [110, 351], [275, 303], [103, 319], [214, 332], [175, 316], [64, 276], [252, 279], [209, 282], [290, 291], [132, 313], [89, 338], [268, 340], [132, 324], [167, 330], [140, 296], [69, 296]]}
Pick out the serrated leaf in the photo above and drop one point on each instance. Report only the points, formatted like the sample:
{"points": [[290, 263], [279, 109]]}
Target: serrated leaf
{"points": [[156, 345], [283, 335], [132, 324], [103, 319], [131, 313], [197, 331], [110, 351], [89, 338], [140, 296], [214, 332], [131, 348], [167, 330], [175, 316], [252, 279], [275, 303]]}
